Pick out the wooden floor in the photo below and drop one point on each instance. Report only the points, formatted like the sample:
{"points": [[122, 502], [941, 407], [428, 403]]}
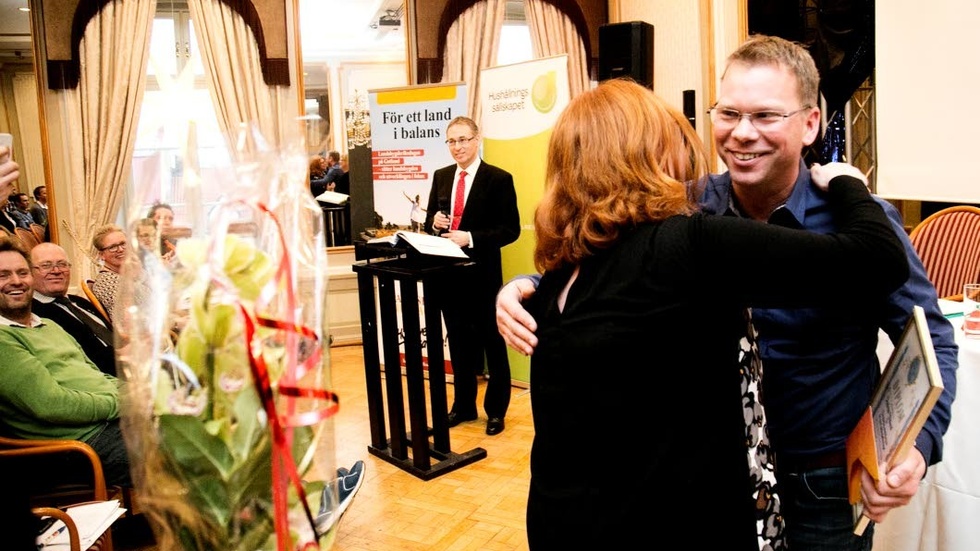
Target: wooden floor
{"points": [[477, 507]]}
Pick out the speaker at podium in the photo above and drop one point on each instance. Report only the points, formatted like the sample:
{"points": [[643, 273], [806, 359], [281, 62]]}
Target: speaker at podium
{"points": [[626, 50]]}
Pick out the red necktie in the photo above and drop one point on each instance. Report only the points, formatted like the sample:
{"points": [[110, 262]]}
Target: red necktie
{"points": [[460, 197]]}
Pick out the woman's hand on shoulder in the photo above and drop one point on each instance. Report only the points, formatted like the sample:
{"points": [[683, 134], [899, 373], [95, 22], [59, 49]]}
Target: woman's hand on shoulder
{"points": [[821, 175]]}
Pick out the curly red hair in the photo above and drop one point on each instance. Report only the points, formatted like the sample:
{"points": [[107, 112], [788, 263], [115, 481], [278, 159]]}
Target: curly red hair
{"points": [[618, 156]]}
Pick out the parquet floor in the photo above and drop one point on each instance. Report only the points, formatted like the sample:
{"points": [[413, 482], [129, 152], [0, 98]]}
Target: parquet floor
{"points": [[479, 507]]}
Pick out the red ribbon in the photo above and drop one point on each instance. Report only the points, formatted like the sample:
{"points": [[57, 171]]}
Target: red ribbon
{"points": [[283, 466]]}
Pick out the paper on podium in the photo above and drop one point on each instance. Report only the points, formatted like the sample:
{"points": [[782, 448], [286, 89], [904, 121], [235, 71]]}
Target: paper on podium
{"points": [[909, 387], [333, 197], [91, 519], [424, 243]]}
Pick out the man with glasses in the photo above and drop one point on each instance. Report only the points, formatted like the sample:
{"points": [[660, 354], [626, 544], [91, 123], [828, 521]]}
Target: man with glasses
{"points": [[474, 205], [820, 363], [75, 314], [49, 389]]}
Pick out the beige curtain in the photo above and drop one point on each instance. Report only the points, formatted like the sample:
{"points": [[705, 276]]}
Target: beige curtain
{"points": [[231, 61], [102, 114], [553, 33], [471, 45], [28, 132]]}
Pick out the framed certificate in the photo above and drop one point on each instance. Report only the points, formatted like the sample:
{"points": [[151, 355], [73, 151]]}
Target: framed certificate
{"points": [[909, 387]]}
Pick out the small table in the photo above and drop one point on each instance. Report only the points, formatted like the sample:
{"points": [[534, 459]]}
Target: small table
{"points": [[407, 271]]}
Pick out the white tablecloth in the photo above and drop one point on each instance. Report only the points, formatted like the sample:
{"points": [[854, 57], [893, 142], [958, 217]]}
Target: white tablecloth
{"points": [[944, 515]]}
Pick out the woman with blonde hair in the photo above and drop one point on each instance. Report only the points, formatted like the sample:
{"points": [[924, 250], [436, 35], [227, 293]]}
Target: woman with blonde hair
{"points": [[112, 248], [635, 386]]}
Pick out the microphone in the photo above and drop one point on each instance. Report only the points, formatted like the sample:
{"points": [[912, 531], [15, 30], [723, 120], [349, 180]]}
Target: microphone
{"points": [[443, 205]]}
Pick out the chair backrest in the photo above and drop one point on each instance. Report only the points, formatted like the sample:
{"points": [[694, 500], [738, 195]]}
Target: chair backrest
{"points": [[90, 295], [52, 486], [97, 489], [26, 237], [948, 242], [38, 231]]}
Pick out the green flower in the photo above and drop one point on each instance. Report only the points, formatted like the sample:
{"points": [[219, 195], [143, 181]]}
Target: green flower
{"points": [[213, 429]]}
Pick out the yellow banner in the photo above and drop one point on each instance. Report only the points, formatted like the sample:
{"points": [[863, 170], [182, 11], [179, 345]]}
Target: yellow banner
{"points": [[521, 103]]}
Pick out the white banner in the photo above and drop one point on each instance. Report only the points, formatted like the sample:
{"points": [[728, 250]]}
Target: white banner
{"points": [[408, 143]]}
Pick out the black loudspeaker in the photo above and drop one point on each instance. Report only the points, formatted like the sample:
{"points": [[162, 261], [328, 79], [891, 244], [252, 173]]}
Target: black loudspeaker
{"points": [[626, 50]]}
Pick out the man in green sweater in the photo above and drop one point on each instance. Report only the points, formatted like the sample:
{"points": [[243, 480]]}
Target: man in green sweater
{"points": [[48, 387]]}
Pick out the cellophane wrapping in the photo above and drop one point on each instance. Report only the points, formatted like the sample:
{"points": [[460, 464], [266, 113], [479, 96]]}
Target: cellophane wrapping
{"points": [[228, 408]]}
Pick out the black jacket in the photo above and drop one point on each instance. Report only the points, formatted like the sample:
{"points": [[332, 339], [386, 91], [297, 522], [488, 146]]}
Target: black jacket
{"points": [[102, 354]]}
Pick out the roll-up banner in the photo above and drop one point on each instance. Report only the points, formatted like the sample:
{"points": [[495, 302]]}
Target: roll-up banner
{"points": [[408, 143], [521, 103]]}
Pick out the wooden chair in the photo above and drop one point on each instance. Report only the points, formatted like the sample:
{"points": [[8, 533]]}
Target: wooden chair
{"points": [[38, 231], [55, 493], [948, 242], [26, 236], [90, 295]]}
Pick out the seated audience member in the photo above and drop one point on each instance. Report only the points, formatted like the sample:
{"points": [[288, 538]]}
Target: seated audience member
{"points": [[153, 243], [163, 215], [111, 244], [19, 208], [50, 389], [7, 219], [76, 315], [39, 210], [146, 234]]}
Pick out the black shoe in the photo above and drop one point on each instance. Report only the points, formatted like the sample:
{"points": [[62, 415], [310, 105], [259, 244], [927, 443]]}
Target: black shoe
{"points": [[495, 425], [455, 418]]}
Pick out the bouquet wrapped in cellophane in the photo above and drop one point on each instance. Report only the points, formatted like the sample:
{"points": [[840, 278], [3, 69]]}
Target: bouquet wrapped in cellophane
{"points": [[228, 409]]}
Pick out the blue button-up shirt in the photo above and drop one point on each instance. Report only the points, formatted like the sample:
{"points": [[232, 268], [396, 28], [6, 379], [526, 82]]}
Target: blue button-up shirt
{"points": [[821, 364]]}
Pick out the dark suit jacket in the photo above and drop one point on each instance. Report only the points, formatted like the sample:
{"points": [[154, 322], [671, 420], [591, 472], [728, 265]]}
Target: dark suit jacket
{"points": [[8, 223], [466, 295], [102, 355], [490, 215]]}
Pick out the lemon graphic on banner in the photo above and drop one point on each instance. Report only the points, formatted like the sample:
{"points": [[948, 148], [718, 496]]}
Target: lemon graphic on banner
{"points": [[544, 92]]}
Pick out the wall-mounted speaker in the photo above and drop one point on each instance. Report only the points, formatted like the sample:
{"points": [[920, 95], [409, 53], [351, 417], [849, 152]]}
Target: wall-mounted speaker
{"points": [[626, 50]]}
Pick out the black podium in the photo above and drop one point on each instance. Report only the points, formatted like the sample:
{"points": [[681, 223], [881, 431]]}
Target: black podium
{"points": [[421, 450], [336, 222]]}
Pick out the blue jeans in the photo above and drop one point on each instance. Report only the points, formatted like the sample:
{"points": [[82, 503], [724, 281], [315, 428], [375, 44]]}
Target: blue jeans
{"points": [[818, 515]]}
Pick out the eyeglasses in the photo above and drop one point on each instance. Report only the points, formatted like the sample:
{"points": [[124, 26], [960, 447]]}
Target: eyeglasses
{"points": [[461, 141], [47, 267], [115, 248], [762, 120]]}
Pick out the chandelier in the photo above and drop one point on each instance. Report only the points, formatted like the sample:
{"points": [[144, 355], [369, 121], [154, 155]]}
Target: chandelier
{"points": [[358, 121]]}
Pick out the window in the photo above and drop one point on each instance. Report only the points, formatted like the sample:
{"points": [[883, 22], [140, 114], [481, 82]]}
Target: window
{"points": [[515, 36], [177, 110]]}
